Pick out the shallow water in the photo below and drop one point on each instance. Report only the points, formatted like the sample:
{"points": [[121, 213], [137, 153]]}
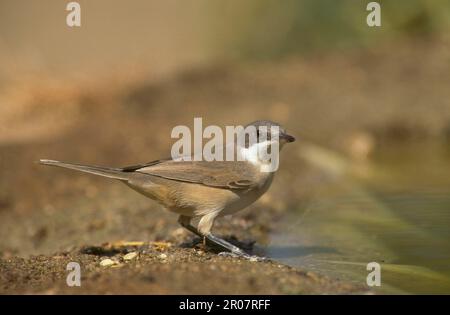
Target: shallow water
{"points": [[394, 210]]}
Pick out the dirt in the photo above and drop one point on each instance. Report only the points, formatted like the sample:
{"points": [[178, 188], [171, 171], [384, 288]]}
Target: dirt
{"points": [[49, 217], [161, 271]]}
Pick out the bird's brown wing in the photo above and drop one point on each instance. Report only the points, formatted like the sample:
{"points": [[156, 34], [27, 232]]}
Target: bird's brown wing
{"points": [[133, 168], [221, 174]]}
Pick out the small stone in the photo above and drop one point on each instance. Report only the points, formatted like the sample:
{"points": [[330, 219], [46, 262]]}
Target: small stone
{"points": [[107, 262], [130, 256], [254, 258], [162, 256]]}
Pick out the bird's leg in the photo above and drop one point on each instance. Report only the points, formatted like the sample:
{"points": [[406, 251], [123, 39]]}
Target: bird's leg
{"points": [[204, 227], [226, 246], [212, 239], [185, 222]]}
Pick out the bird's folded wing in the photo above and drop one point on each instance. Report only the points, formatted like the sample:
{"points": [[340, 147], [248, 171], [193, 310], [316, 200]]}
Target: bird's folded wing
{"points": [[222, 174]]}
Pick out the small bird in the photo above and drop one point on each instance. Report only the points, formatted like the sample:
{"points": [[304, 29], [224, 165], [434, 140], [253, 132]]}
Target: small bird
{"points": [[200, 189]]}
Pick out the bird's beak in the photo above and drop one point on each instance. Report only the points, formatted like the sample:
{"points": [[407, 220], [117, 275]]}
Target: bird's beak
{"points": [[288, 138]]}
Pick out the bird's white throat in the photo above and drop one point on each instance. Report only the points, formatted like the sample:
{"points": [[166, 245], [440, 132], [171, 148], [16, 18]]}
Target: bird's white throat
{"points": [[259, 154]]}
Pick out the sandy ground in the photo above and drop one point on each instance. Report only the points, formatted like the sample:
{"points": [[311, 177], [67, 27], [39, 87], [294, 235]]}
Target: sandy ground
{"points": [[162, 271], [349, 102]]}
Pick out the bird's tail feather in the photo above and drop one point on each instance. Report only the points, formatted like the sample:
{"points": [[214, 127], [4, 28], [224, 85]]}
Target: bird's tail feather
{"points": [[114, 173]]}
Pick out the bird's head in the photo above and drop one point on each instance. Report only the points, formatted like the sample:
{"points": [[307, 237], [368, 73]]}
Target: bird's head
{"points": [[263, 141]]}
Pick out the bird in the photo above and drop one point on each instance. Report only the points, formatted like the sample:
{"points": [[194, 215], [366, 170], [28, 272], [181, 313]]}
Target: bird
{"points": [[205, 190]]}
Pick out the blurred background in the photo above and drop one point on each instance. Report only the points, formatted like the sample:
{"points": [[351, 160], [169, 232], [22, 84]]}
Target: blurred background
{"points": [[369, 178]]}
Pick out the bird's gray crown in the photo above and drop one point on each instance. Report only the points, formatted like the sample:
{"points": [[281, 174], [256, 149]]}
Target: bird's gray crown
{"points": [[268, 124]]}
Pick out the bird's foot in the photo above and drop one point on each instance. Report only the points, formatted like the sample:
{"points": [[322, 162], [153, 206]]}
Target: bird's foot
{"points": [[252, 258]]}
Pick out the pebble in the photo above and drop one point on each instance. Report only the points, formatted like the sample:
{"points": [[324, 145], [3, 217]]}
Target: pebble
{"points": [[254, 259], [162, 256], [107, 262], [130, 256]]}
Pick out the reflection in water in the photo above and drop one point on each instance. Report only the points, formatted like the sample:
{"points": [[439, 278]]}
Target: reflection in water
{"points": [[299, 251], [396, 213]]}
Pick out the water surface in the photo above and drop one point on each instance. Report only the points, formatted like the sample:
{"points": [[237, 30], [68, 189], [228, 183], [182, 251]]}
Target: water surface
{"points": [[394, 210]]}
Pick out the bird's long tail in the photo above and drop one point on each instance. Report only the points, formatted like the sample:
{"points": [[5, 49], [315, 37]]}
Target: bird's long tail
{"points": [[114, 173]]}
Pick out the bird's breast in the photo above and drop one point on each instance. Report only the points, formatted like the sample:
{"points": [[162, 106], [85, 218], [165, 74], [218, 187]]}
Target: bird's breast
{"points": [[246, 198]]}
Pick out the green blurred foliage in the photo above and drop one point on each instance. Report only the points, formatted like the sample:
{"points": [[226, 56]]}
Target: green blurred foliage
{"points": [[271, 28]]}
